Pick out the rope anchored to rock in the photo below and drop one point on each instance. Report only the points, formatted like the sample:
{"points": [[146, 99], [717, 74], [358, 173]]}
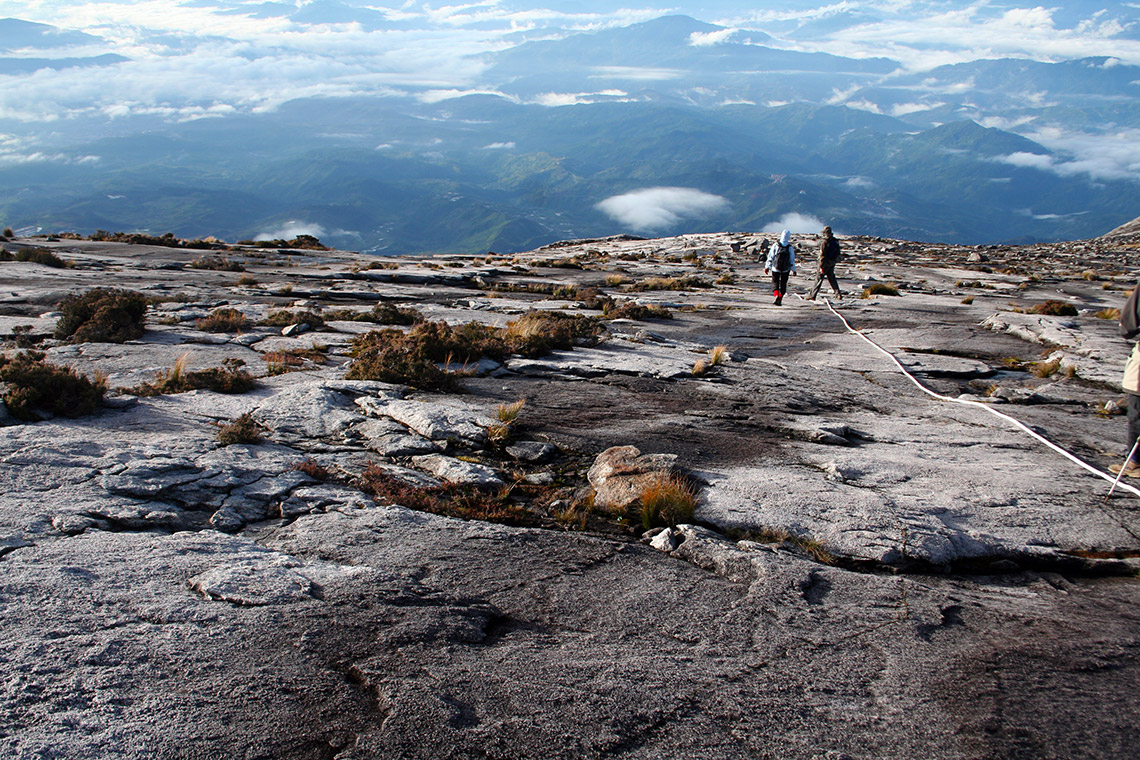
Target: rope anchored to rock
{"points": [[987, 407]]}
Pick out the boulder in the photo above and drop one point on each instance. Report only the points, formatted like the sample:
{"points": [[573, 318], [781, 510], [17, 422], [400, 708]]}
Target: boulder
{"points": [[619, 474]]}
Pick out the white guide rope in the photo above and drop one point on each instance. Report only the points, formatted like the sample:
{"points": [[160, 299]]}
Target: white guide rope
{"points": [[989, 408]]}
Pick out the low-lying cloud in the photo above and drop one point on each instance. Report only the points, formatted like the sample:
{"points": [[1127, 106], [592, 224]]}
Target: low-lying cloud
{"points": [[795, 222], [292, 229], [657, 208]]}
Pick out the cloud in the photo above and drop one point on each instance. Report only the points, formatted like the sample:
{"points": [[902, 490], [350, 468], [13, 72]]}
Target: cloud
{"points": [[707, 39], [657, 208], [556, 99], [500, 146], [795, 222], [292, 229], [636, 73], [1110, 156]]}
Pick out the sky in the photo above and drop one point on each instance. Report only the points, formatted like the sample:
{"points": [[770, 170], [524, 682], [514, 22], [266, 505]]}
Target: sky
{"points": [[192, 59]]}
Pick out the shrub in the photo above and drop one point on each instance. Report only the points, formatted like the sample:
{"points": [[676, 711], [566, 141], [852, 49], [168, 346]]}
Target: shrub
{"points": [[313, 469], [453, 500], [33, 384], [102, 315], [879, 289], [637, 311], [1054, 308], [229, 378], [381, 314], [286, 317], [244, 429], [280, 362], [9, 233], [688, 282], [224, 320], [540, 332], [39, 256], [247, 280], [667, 500], [219, 263]]}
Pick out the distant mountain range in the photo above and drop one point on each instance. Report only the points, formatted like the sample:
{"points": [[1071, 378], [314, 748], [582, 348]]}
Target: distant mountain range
{"points": [[748, 123]]}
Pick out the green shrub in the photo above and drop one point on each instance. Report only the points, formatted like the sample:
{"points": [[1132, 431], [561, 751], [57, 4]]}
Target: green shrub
{"points": [[102, 315], [33, 384], [224, 320], [1054, 308], [244, 429]]}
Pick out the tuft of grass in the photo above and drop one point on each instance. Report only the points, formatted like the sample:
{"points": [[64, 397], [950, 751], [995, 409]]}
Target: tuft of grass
{"points": [[1046, 368], [718, 355], [1054, 308], [1113, 314], [809, 546], [509, 413], [700, 368], [247, 280], [879, 289], [224, 320], [968, 300], [32, 385], [229, 378], [667, 500], [244, 429], [614, 280], [102, 315]]}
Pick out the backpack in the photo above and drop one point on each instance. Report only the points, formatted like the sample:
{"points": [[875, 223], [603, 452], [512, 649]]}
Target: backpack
{"points": [[783, 260]]}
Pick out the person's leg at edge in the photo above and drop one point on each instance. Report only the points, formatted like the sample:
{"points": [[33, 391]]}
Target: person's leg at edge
{"points": [[1132, 466]]}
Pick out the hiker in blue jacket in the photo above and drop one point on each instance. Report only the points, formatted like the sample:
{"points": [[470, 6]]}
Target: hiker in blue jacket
{"points": [[781, 263]]}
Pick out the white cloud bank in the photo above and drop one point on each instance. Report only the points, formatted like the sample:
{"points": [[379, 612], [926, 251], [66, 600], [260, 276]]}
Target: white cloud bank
{"points": [[291, 230], [795, 222], [658, 208]]}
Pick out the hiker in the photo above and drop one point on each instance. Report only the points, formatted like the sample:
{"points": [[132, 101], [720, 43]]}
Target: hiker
{"points": [[828, 257], [1130, 330], [781, 262]]}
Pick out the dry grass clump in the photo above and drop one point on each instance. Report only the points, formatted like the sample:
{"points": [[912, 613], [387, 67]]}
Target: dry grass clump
{"points": [[229, 378], [224, 320], [32, 384], [1049, 368], [381, 314], [810, 546], [636, 311], [463, 501], [687, 282], [102, 315], [313, 469], [1054, 308], [879, 289], [244, 429], [616, 279], [667, 500], [539, 332], [247, 280], [701, 368], [293, 360], [968, 300], [718, 355], [1113, 314]]}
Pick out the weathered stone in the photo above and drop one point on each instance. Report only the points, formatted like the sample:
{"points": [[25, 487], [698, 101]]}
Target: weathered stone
{"points": [[619, 474], [438, 422], [454, 470], [532, 451]]}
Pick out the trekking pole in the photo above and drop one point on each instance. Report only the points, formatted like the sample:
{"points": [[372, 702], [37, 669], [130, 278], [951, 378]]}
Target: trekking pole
{"points": [[1120, 474]]}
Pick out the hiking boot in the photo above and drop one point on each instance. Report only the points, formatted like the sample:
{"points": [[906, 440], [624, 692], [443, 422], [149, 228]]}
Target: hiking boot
{"points": [[1132, 469], [779, 300]]}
